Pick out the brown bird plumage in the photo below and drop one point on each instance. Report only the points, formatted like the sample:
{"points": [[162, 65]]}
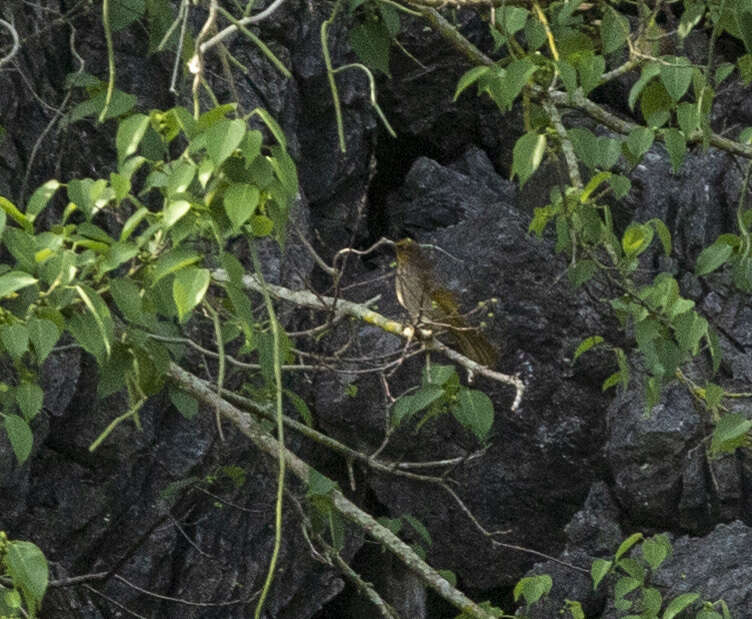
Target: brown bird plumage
{"points": [[427, 302]]}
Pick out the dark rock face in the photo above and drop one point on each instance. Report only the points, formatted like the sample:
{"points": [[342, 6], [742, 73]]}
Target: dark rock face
{"points": [[568, 475]]}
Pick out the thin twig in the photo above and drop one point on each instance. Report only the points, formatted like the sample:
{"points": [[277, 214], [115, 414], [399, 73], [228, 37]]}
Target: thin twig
{"points": [[16, 44], [253, 19]]}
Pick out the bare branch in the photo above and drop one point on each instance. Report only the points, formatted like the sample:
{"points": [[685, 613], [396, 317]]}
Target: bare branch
{"points": [[269, 445], [341, 307], [253, 19], [16, 44]]}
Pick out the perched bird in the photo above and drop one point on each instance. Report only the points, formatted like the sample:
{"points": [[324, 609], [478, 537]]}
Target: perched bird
{"points": [[428, 302]]}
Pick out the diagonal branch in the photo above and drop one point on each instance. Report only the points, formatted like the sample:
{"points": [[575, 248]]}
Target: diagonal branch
{"points": [[269, 445], [342, 307]]}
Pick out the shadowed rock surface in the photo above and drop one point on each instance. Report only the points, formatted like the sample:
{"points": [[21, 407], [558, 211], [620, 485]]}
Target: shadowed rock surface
{"points": [[568, 475]]}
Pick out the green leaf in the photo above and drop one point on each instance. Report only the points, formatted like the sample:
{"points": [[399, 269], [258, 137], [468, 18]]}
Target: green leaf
{"points": [[568, 75], [730, 433], [474, 410], [19, 435], [745, 68], [574, 609], [115, 369], [250, 146], [469, 78], [663, 234], [598, 571], [261, 226], [27, 567], [533, 588], [180, 177], [127, 296], [84, 329], [676, 76], [639, 141], [655, 550], [186, 404], [690, 328], [625, 546], [712, 257], [693, 12], [124, 12], [587, 344], [678, 604], [590, 70], [319, 485], [15, 280], [371, 40], [636, 239], [742, 273], [688, 117], [620, 185], [120, 184], [10, 209], [265, 343], [129, 135], [40, 198], [652, 600], [655, 104], [173, 261], [614, 30], [300, 405], [632, 568], [527, 155], [100, 312], [723, 71], [188, 289], [438, 374], [285, 170], [393, 524], [593, 184], [408, 405], [511, 19], [241, 200], [175, 211], [581, 272], [535, 34], [419, 528], [517, 75], [223, 138], [30, 398], [625, 585], [44, 335], [744, 19], [120, 104], [89, 195], [272, 125], [449, 576], [649, 71], [15, 338]]}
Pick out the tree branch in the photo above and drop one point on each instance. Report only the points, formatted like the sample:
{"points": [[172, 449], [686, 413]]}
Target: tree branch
{"points": [[269, 445], [342, 307]]}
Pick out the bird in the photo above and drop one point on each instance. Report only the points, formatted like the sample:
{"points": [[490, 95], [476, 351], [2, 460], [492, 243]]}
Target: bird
{"points": [[428, 302]]}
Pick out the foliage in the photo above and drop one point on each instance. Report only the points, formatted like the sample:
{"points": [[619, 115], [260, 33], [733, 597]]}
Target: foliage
{"points": [[630, 572], [114, 292], [441, 392], [132, 258], [24, 565]]}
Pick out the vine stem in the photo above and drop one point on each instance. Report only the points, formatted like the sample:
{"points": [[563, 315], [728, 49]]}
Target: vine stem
{"points": [[280, 431], [330, 75], [110, 59]]}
